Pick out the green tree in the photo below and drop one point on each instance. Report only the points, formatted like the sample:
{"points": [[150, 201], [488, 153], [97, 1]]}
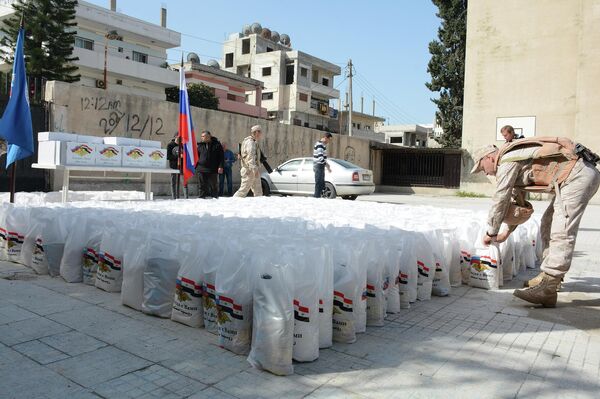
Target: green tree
{"points": [[447, 69], [200, 95], [50, 30]]}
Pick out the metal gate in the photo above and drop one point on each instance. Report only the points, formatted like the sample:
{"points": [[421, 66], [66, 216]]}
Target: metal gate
{"points": [[428, 167]]}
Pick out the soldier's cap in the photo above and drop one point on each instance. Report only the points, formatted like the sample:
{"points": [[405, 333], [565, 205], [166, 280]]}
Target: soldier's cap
{"points": [[255, 128], [479, 154]]}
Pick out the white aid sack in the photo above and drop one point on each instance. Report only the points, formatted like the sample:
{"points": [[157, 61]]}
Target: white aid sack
{"points": [[425, 267], [306, 304], [187, 303], [346, 287], [132, 289], [528, 251], [214, 259], [233, 286], [273, 317], [160, 276], [376, 287], [50, 239], [452, 257], [109, 275], [441, 279], [32, 244], [325, 276], [359, 264], [485, 268], [5, 208], [392, 272], [17, 221], [507, 258], [71, 264], [90, 256], [408, 272], [465, 263]]}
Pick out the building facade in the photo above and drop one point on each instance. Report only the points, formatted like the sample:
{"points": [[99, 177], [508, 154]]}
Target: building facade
{"points": [[406, 135], [363, 125], [231, 89], [533, 65], [136, 56], [298, 87]]}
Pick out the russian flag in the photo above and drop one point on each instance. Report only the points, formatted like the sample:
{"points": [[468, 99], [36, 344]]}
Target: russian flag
{"points": [[186, 130]]}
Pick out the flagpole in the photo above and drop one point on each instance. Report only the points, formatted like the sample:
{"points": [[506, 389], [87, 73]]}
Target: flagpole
{"points": [[13, 181], [179, 160]]}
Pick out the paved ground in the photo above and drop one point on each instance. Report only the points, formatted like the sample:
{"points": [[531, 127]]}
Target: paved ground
{"points": [[60, 340]]}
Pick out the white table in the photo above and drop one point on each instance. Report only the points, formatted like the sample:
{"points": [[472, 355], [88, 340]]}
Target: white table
{"points": [[120, 169]]}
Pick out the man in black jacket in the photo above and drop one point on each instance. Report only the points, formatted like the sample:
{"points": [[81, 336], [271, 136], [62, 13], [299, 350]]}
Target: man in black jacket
{"points": [[173, 157], [210, 164]]}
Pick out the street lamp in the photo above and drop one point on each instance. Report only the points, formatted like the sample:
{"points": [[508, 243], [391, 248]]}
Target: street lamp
{"points": [[111, 35]]}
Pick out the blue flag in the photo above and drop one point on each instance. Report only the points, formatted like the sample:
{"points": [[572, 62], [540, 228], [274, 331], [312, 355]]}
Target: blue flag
{"points": [[15, 126]]}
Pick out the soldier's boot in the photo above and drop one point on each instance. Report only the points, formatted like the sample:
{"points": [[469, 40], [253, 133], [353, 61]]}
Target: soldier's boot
{"points": [[542, 294], [538, 279], [534, 281]]}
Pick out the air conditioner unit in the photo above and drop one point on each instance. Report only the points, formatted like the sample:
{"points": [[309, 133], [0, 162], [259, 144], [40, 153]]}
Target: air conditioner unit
{"points": [[323, 108], [100, 83]]}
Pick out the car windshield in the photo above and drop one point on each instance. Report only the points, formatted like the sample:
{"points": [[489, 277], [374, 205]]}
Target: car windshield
{"points": [[290, 166], [346, 164]]}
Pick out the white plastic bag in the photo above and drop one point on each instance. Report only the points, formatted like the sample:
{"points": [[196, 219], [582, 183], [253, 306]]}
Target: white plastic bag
{"points": [[160, 276], [214, 260], [376, 287], [273, 317], [306, 304], [71, 265], [346, 287], [134, 257], [441, 279], [425, 267], [484, 268], [17, 220], [233, 286], [187, 303], [325, 276], [109, 275], [90, 257]]}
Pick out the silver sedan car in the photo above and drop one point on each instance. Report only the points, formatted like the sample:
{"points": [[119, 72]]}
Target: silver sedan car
{"points": [[296, 177]]}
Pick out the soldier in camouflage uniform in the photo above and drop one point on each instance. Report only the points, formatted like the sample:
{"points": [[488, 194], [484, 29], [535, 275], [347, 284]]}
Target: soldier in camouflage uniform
{"points": [[250, 160]]}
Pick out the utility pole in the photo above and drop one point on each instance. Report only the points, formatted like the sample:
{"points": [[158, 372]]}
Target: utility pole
{"points": [[350, 95]]}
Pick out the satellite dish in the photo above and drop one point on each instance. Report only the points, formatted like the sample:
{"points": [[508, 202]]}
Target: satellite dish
{"points": [[213, 64], [256, 28], [193, 58], [246, 30], [285, 39], [266, 33], [275, 36]]}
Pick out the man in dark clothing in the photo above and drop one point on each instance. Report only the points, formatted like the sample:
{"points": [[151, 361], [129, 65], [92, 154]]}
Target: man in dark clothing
{"points": [[210, 164], [229, 160], [173, 158], [320, 163]]}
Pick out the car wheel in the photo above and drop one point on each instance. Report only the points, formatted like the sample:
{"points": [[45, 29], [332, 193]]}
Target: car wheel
{"points": [[350, 197], [265, 187], [329, 191]]}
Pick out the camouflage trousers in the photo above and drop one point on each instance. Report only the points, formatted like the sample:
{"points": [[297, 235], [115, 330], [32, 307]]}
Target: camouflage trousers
{"points": [[560, 222], [249, 182]]}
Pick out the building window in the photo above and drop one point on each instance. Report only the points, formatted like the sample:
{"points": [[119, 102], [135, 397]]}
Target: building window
{"points": [[353, 124], [266, 71], [304, 72], [229, 60], [247, 98], [269, 49], [396, 140], [119, 81], [84, 43], [297, 122], [315, 76], [246, 46], [303, 97], [140, 57], [319, 127], [305, 124], [325, 82], [231, 97], [358, 125], [289, 74], [120, 49], [267, 96]]}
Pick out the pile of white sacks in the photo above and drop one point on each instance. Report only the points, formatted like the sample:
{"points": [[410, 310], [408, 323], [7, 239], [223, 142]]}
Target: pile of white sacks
{"points": [[274, 278]]}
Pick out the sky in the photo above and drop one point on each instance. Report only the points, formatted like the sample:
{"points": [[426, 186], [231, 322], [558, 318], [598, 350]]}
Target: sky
{"points": [[387, 41]]}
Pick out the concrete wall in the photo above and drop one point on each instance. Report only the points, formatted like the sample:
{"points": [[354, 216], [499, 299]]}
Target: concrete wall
{"points": [[531, 59], [84, 110]]}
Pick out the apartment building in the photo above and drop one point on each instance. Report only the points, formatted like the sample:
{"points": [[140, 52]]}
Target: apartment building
{"points": [[298, 87]]}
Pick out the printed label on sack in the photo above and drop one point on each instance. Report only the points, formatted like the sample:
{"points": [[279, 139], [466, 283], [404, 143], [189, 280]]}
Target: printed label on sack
{"points": [[341, 303], [321, 308], [402, 278], [188, 294], [228, 310], [38, 258], [90, 265], [371, 291], [3, 238], [14, 243], [209, 304], [465, 257], [109, 268], [386, 283], [423, 269], [301, 313]]}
